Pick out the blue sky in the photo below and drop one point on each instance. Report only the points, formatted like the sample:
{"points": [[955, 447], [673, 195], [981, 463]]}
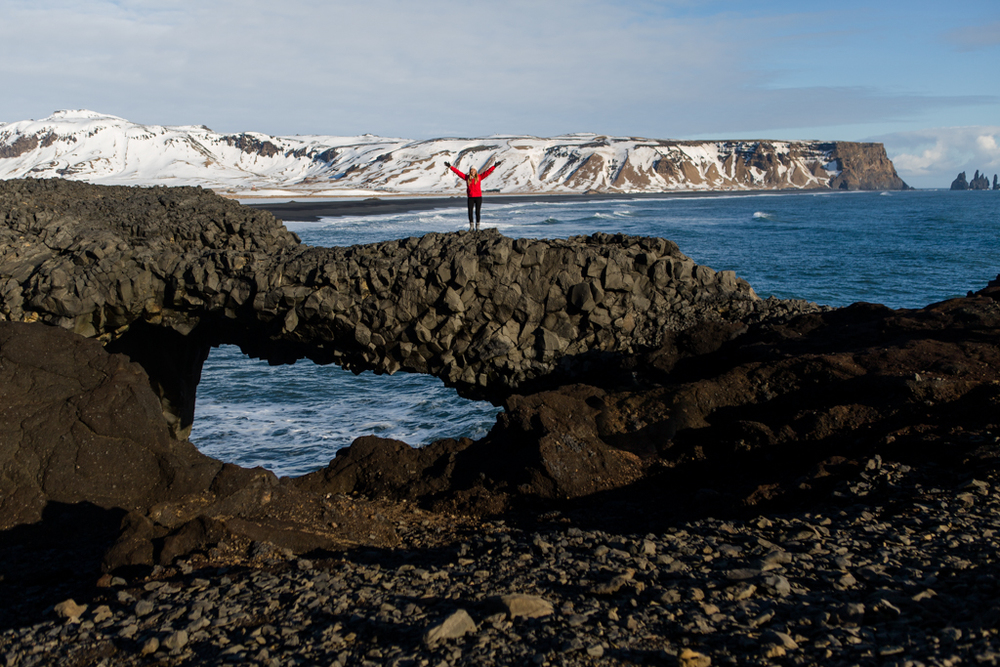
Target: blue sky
{"points": [[922, 77]]}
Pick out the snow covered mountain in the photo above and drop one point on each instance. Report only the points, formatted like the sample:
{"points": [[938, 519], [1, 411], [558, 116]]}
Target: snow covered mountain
{"points": [[98, 148]]}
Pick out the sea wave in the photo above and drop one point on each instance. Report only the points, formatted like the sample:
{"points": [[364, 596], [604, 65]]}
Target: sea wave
{"points": [[312, 411]]}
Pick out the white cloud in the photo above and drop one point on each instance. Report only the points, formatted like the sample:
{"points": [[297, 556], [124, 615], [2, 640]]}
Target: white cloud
{"points": [[933, 157], [987, 144]]}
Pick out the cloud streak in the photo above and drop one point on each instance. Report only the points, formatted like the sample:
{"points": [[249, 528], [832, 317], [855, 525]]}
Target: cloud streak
{"points": [[446, 68]]}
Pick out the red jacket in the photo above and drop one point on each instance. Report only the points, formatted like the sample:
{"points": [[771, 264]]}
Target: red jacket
{"points": [[472, 188]]}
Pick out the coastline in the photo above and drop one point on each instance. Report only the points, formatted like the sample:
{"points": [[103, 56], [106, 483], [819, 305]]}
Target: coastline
{"points": [[314, 209]]}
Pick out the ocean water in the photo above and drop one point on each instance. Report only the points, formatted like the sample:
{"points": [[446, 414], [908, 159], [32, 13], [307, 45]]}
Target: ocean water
{"points": [[901, 249]]}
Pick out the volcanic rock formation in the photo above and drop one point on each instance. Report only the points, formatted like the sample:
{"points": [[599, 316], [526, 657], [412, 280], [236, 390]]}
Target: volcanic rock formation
{"points": [[165, 274], [770, 412], [81, 433], [720, 401], [978, 182], [78, 424]]}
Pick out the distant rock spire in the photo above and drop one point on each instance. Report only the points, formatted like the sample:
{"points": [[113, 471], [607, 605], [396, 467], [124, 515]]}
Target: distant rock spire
{"points": [[978, 182]]}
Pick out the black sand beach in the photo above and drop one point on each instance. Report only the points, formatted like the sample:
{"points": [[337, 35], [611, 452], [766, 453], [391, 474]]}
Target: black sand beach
{"points": [[314, 209]]}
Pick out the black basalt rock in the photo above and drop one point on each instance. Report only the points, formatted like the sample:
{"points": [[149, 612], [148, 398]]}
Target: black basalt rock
{"points": [[164, 274], [979, 182], [688, 394]]}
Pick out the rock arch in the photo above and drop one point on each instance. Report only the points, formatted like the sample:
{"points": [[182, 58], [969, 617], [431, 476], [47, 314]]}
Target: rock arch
{"points": [[164, 274]]}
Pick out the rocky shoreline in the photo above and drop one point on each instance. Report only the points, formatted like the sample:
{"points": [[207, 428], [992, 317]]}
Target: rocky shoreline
{"points": [[732, 481], [899, 567]]}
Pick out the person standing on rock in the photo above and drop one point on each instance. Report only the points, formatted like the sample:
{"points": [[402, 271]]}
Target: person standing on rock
{"points": [[473, 189]]}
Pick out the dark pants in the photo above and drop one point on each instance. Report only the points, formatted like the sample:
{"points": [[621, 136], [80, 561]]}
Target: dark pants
{"points": [[475, 203]]}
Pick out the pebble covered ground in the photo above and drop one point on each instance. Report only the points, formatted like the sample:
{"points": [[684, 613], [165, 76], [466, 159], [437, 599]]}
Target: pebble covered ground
{"points": [[893, 570]]}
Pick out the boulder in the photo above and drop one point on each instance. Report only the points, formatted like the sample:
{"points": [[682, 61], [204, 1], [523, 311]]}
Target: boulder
{"points": [[79, 424], [82, 436]]}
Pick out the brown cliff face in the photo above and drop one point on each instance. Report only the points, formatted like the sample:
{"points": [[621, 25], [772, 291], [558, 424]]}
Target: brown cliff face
{"points": [[864, 166], [735, 165]]}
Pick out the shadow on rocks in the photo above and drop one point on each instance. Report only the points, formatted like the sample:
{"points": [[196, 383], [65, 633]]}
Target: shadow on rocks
{"points": [[53, 559]]}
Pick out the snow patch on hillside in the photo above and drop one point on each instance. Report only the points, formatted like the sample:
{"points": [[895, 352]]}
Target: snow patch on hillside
{"points": [[100, 148]]}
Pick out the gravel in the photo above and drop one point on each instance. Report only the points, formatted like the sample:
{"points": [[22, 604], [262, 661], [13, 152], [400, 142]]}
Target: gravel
{"points": [[909, 578]]}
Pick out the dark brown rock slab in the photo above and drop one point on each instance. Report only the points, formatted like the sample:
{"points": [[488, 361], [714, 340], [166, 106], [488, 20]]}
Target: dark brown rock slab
{"points": [[548, 445], [386, 468], [545, 447], [78, 424], [80, 428]]}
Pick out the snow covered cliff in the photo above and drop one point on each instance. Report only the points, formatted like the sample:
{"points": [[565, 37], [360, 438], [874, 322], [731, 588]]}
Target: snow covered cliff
{"points": [[98, 148]]}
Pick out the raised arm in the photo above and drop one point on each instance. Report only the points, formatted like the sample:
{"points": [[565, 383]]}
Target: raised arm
{"points": [[460, 174], [490, 170]]}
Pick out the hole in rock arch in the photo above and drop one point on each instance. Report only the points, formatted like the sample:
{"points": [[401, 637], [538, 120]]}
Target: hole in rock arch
{"points": [[292, 419]]}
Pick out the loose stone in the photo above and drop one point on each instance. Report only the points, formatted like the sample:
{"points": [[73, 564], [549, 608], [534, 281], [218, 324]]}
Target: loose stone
{"points": [[458, 624]]}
